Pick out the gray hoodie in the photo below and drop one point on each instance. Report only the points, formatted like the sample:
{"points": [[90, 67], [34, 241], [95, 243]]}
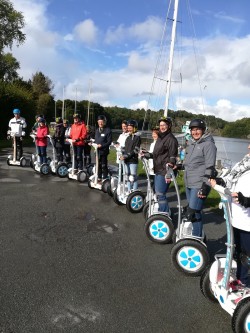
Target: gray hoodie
{"points": [[199, 161]]}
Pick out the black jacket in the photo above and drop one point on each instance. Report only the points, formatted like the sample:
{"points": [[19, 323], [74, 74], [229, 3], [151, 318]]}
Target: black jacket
{"points": [[131, 149], [165, 151], [103, 137], [59, 135]]}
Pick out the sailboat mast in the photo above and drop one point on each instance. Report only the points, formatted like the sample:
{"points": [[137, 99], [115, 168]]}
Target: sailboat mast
{"points": [[90, 83], [171, 56]]}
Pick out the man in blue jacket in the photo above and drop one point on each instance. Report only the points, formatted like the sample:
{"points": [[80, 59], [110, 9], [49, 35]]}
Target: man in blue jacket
{"points": [[103, 139]]}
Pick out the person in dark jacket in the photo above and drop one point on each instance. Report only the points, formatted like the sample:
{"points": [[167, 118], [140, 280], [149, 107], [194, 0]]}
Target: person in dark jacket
{"points": [[165, 152], [58, 138], [199, 167], [87, 147], [103, 139], [130, 154]]}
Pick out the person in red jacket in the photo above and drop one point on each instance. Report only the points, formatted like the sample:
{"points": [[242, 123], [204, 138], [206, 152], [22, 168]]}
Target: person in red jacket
{"points": [[41, 140], [78, 134]]}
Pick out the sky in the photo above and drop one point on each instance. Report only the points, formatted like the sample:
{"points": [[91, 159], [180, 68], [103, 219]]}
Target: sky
{"points": [[107, 51]]}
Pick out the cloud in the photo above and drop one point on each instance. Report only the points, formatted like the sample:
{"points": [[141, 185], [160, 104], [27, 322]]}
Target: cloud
{"points": [[86, 32], [232, 19]]}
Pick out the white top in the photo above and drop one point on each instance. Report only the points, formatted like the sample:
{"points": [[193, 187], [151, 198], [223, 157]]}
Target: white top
{"points": [[150, 161], [122, 138], [241, 215], [17, 126]]}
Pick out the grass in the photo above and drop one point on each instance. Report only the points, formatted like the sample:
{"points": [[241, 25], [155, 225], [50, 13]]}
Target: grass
{"points": [[212, 201]]}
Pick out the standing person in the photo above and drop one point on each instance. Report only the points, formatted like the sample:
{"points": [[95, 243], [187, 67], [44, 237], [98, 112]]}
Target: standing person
{"points": [[42, 140], [17, 125], [122, 138], [155, 135], [237, 181], [130, 154], [58, 138], [78, 134], [87, 147], [199, 164], [66, 145], [165, 152], [36, 124], [103, 138]]}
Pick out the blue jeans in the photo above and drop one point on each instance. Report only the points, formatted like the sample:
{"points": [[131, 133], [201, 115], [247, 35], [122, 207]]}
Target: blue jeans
{"points": [[161, 188], [131, 170], [195, 203], [242, 246], [42, 153], [78, 150]]}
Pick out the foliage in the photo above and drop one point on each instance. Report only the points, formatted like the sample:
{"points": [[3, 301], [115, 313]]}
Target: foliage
{"points": [[41, 84], [8, 67], [11, 23], [238, 129]]}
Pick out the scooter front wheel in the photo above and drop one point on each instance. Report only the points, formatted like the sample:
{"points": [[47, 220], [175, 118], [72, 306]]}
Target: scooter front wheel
{"points": [[135, 202], [45, 169], [145, 210], [62, 170], [159, 229], [105, 185], [81, 176], [241, 317], [205, 285], [190, 257], [8, 161], [23, 162]]}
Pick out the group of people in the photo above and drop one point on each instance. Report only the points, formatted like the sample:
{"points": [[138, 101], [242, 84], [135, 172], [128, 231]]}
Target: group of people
{"points": [[198, 164]]}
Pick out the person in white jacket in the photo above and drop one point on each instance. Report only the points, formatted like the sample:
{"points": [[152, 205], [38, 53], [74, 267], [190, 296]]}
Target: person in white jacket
{"points": [[122, 138], [237, 181], [16, 128], [155, 132]]}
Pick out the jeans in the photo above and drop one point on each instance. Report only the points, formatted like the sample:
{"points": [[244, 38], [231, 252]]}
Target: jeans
{"points": [[131, 172], [242, 246], [78, 150], [161, 188], [195, 203], [42, 153]]}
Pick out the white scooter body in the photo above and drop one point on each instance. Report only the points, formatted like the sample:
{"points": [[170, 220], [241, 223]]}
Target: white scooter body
{"points": [[215, 281], [57, 168], [80, 175], [93, 180], [12, 160]]}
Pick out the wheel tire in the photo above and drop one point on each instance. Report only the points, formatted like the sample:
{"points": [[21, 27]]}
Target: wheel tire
{"points": [[135, 202], [115, 198], [45, 169], [90, 168], [241, 317], [8, 161], [190, 257], [145, 210], [62, 170], [159, 229], [23, 162], [105, 185], [205, 285], [110, 193], [174, 237], [31, 164], [82, 176]]}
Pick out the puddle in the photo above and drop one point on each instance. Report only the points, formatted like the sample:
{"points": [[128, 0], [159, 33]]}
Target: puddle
{"points": [[9, 180], [102, 227]]}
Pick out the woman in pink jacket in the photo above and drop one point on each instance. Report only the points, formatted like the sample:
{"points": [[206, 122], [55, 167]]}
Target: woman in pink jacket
{"points": [[41, 140]]}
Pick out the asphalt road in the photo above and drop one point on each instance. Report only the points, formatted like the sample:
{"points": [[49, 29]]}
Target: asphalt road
{"points": [[73, 261]]}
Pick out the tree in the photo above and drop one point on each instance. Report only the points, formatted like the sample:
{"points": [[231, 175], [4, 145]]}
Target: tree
{"points": [[8, 67], [41, 84], [11, 23]]}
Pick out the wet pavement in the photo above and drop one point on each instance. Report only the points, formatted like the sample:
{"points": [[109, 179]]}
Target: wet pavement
{"points": [[73, 261]]}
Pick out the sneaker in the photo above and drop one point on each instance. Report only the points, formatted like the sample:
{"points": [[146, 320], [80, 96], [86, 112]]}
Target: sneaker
{"points": [[237, 285]]}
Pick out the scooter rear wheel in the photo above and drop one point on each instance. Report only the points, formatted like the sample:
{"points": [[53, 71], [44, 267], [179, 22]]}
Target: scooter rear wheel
{"points": [[205, 285], [135, 202], [62, 170], [116, 199], [159, 229], [190, 257], [241, 317], [8, 161], [145, 210], [23, 162]]}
